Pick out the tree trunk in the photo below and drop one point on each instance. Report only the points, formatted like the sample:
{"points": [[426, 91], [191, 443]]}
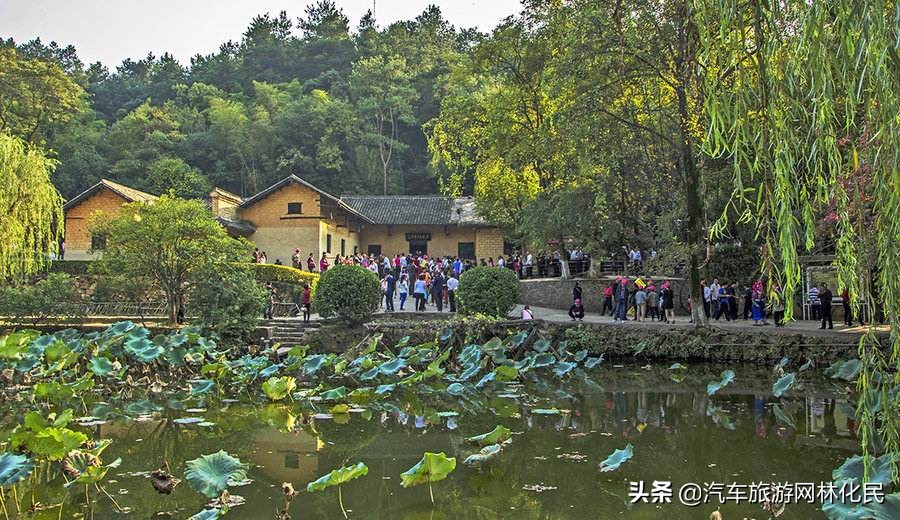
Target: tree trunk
{"points": [[172, 305], [689, 170]]}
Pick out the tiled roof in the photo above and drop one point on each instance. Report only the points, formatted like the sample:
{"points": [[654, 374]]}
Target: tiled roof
{"points": [[129, 194], [415, 209], [293, 179]]}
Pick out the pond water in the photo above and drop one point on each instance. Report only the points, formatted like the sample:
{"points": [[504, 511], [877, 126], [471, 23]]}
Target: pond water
{"points": [[549, 471]]}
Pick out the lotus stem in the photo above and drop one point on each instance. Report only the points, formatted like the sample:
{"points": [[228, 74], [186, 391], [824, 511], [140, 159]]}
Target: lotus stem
{"points": [[3, 505], [431, 493], [341, 502], [111, 499], [16, 498], [87, 495]]}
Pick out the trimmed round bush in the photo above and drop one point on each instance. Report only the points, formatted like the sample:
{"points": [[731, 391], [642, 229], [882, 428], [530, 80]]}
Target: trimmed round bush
{"points": [[349, 292], [488, 290]]}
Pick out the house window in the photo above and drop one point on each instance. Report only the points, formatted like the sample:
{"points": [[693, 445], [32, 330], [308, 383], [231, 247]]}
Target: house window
{"points": [[291, 461], [343, 247], [295, 208], [466, 250], [98, 242], [374, 249], [328, 243]]}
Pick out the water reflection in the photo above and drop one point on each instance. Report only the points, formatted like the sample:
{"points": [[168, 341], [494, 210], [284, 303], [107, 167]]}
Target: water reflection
{"points": [[549, 472]]}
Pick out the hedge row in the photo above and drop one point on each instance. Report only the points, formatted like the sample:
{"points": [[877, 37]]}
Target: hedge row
{"points": [[265, 273], [71, 267]]}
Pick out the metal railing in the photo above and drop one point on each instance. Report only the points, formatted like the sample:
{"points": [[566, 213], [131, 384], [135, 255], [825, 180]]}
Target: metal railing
{"points": [[124, 308]]}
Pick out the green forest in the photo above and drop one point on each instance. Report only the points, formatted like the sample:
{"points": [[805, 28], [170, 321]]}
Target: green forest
{"points": [[533, 117]]}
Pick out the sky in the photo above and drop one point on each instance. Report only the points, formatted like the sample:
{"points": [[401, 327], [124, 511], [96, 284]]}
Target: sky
{"points": [[112, 30]]}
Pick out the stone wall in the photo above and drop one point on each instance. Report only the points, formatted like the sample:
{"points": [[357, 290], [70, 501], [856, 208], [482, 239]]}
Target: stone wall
{"points": [[554, 293]]}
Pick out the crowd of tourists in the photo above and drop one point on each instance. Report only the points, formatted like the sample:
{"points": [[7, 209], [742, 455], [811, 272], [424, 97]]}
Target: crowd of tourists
{"points": [[640, 300], [525, 265]]}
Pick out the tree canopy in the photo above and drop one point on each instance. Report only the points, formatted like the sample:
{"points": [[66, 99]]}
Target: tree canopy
{"points": [[170, 242]]}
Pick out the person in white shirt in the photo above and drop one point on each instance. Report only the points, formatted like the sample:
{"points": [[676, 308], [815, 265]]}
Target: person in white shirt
{"points": [[527, 315], [452, 286], [529, 260]]}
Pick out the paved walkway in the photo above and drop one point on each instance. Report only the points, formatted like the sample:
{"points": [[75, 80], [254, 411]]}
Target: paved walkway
{"points": [[807, 327]]}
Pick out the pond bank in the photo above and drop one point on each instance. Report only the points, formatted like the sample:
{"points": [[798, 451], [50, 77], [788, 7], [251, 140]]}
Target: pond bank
{"points": [[762, 345]]}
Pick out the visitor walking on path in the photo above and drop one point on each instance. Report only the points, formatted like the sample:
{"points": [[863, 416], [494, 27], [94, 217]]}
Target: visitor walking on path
{"points": [[306, 302], [714, 298], [389, 292], [576, 292], [653, 303], [848, 311], [668, 299], [640, 300], [607, 300], [759, 313], [706, 298], [825, 297], [270, 301], [437, 291], [748, 301], [621, 296], [323, 264], [576, 311], [419, 293], [311, 263], [452, 286], [815, 303], [404, 290]]}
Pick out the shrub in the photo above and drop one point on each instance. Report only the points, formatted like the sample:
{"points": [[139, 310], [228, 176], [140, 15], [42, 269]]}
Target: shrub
{"points": [[349, 292], [53, 297], [488, 290], [227, 301]]}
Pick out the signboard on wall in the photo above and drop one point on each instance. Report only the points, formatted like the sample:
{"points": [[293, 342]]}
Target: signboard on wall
{"points": [[418, 237]]}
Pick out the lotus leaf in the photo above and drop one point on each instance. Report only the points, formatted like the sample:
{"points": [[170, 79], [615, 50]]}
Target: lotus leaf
{"points": [[506, 373], [495, 436], [314, 363], [334, 394], [677, 366], [715, 386], [518, 339], [270, 370], [278, 388], [392, 367], [783, 417], [808, 365], [211, 474], [853, 467], [433, 467], [592, 362], [581, 355], [120, 327], [783, 384], [487, 378], [206, 514], [14, 468], [338, 477], [563, 367], [384, 389], [846, 370], [101, 366], [487, 454], [456, 389], [446, 335], [617, 458], [143, 350], [201, 386], [469, 372], [541, 345]]}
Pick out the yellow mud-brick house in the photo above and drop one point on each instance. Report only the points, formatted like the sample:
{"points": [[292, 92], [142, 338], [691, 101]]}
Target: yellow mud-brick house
{"points": [[293, 213]]}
